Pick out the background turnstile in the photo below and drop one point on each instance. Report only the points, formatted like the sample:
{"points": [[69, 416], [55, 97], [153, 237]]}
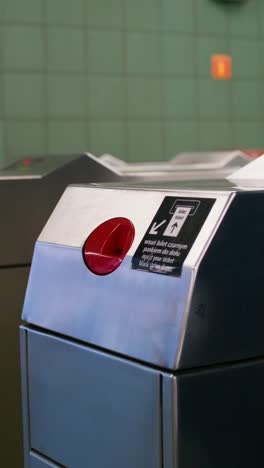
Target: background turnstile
{"points": [[185, 166], [29, 190]]}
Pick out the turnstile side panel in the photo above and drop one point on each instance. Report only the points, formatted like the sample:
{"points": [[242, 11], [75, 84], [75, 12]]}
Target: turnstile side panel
{"points": [[220, 417], [133, 313], [38, 462], [24, 394], [169, 411], [225, 321], [87, 408], [13, 285], [23, 214]]}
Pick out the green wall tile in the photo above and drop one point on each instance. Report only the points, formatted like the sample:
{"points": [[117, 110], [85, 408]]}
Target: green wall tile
{"points": [[107, 137], [129, 77], [246, 58], [106, 97], [24, 96], [3, 155], [23, 48], [67, 12], [24, 11], [179, 98], [143, 53], [66, 96], [261, 18], [261, 47], [66, 137], [177, 54], [206, 47], [145, 141], [212, 17], [215, 135], [214, 99], [65, 49], [24, 138], [105, 13], [142, 14], [248, 135], [2, 99], [243, 20], [144, 97], [248, 100], [180, 136], [105, 51], [177, 16]]}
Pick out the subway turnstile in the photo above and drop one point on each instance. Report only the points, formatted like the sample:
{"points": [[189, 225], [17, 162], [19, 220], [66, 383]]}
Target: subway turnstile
{"points": [[143, 338]]}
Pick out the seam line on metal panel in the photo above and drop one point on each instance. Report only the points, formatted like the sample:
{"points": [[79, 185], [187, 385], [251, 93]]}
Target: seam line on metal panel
{"points": [[18, 265], [50, 460], [161, 424], [27, 389], [175, 424]]}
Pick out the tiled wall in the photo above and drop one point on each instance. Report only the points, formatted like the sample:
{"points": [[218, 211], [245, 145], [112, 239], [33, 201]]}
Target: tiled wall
{"points": [[129, 77]]}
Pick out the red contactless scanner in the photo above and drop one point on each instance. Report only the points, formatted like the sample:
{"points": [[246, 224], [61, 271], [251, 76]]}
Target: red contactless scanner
{"points": [[106, 247]]}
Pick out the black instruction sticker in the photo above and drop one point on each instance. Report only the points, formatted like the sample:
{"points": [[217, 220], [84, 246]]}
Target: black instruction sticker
{"points": [[171, 235]]}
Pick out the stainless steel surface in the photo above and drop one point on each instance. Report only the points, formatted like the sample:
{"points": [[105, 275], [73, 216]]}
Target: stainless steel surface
{"points": [[170, 421], [211, 160], [217, 185], [114, 421], [184, 166], [24, 399], [82, 208], [113, 311]]}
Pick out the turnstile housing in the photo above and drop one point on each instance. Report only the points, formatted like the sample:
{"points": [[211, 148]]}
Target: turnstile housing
{"points": [[137, 368]]}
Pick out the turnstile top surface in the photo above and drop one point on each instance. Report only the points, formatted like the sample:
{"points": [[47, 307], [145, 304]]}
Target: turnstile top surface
{"points": [[33, 167], [186, 184]]}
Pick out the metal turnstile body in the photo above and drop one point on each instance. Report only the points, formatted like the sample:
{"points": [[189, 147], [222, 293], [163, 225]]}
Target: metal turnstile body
{"points": [[29, 190], [160, 363], [185, 166]]}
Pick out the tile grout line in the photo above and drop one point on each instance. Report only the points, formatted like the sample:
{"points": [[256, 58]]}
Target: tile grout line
{"points": [[3, 100], [231, 83], [45, 77], [162, 89], [196, 37], [86, 52], [126, 156]]}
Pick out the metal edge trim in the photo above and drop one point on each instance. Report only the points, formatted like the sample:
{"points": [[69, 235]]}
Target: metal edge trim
{"points": [[104, 164]]}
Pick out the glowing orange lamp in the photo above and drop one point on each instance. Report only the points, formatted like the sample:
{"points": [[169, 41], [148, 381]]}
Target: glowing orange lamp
{"points": [[221, 67]]}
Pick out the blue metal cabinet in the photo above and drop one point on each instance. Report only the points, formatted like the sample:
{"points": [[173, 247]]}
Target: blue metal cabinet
{"points": [[86, 406]]}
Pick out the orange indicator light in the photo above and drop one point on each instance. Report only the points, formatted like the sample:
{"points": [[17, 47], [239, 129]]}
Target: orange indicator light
{"points": [[221, 67]]}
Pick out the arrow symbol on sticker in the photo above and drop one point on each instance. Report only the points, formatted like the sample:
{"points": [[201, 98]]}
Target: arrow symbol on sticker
{"points": [[155, 227]]}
